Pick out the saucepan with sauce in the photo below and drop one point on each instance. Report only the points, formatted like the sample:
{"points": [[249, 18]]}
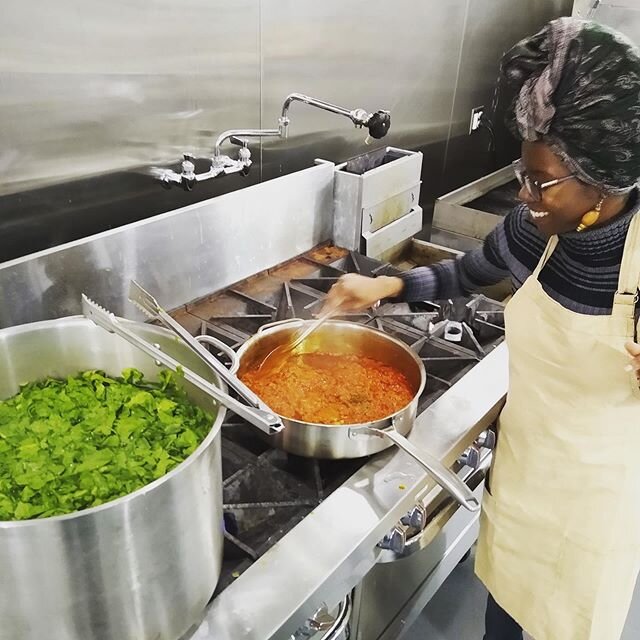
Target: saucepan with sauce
{"points": [[348, 391]]}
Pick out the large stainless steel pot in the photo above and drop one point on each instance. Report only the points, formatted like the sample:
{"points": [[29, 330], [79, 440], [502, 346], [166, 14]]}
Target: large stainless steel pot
{"points": [[356, 440], [139, 568]]}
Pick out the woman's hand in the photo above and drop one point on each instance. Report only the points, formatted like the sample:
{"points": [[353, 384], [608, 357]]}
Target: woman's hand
{"points": [[633, 349], [354, 292]]}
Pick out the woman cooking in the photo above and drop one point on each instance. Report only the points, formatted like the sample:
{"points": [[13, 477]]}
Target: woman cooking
{"points": [[559, 548]]}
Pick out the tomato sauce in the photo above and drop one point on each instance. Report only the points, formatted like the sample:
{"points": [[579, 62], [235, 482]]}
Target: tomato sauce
{"points": [[331, 389]]}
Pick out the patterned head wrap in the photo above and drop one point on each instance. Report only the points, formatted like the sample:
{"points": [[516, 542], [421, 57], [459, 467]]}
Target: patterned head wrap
{"points": [[578, 90]]}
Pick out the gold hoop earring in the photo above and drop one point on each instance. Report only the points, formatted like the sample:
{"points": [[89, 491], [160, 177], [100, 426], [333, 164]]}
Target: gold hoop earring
{"points": [[591, 217]]}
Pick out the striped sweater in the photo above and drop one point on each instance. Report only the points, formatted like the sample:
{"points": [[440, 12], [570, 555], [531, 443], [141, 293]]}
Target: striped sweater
{"points": [[581, 274]]}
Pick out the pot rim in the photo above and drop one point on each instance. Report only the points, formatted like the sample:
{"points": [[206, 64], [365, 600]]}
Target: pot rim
{"points": [[147, 488], [276, 327]]}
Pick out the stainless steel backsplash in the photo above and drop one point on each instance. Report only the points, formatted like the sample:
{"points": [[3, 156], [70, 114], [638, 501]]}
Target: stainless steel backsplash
{"points": [[623, 15], [91, 94]]}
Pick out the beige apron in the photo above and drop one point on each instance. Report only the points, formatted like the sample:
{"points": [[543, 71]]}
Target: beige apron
{"points": [[559, 546]]}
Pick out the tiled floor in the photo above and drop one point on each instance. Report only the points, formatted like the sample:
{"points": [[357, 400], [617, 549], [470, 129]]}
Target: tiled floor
{"points": [[457, 611]]}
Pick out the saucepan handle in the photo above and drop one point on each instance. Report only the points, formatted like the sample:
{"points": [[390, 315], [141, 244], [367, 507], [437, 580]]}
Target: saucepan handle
{"points": [[280, 323], [225, 348], [231, 378], [448, 480]]}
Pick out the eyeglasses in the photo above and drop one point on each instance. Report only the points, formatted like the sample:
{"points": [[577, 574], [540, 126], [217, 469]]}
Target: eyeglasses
{"points": [[534, 187]]}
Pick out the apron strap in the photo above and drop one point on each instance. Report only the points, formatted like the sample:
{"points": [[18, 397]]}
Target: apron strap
{"points": [[626, 296], [551, 245]]}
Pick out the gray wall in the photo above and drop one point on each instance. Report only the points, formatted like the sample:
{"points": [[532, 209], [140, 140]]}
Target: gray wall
{"points": [[623, 15], [107, 88]]}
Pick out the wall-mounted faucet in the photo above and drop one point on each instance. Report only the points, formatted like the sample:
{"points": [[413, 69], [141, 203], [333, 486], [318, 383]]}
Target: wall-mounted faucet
{"points": [[378, 124]]}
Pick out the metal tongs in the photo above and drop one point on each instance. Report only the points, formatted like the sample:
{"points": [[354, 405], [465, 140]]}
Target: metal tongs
{"points": [[265, 420], [152, 309]]}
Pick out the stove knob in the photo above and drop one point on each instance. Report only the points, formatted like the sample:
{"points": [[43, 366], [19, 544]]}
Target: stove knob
{"points": [[487, 439], [395, 540], [415, 519], [470, 457], [321, 620], [418, 517]]}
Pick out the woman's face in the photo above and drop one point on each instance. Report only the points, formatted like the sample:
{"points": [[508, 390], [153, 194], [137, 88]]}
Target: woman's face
{"points": [[561, 206]]}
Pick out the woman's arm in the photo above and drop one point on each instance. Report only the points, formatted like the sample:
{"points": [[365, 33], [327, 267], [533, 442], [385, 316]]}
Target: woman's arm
{"points": [[447, 279]]}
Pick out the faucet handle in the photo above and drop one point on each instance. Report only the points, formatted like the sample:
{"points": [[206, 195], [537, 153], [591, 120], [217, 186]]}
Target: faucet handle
{"points": [[238, 141], [359, 117], [244, 157], [379, 124], [188, 164], [188, 176]]}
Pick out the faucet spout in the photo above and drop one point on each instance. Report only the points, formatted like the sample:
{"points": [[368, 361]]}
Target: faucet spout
{"points": [[242, 133], [378, 124]]}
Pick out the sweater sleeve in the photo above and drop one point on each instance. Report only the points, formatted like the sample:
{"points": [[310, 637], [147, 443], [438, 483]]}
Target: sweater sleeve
{"points": [[478, 268]]}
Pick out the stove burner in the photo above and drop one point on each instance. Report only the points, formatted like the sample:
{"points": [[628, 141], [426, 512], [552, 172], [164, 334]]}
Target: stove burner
{"points": [[266, 492]]}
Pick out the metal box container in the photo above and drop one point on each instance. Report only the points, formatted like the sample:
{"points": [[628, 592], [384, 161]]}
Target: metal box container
{"points": [[389, 241], [464, 217], [373, 191], [383, 213]]}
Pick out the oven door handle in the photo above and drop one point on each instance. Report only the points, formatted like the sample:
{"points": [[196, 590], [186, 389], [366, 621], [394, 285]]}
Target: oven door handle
{"points": [[341, 624]]}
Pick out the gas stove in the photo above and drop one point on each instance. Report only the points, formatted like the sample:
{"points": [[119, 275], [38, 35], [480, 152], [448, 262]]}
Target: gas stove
{"points": [[267, 492]]}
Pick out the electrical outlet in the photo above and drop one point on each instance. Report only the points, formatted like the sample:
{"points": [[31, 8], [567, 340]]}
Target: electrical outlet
{"points": [[476, 115]]}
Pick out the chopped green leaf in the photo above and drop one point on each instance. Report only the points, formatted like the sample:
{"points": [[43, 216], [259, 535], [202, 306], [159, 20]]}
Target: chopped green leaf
{"points": [[71, 444]]}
